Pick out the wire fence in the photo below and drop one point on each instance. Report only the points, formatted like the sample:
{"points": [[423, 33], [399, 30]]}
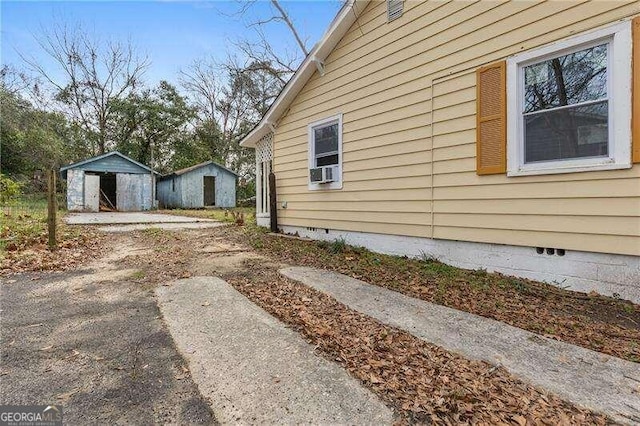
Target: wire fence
{"points": [[33, 205]]}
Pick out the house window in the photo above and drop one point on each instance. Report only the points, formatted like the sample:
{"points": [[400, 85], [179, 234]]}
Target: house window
{"points": [[394, 9], [325, 150], [570, 106]]}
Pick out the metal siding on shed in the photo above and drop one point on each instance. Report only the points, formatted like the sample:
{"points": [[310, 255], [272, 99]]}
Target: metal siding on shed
{"points": [[167, 196], [112, 164], [189, 188], [75, 190], [91, 193], [134, 192]]}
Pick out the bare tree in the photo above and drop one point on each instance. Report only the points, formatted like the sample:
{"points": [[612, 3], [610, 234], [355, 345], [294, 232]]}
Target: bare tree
{"points": [[203, 81], [13, 80], [281, 64], [91, 74], [230, 97]]}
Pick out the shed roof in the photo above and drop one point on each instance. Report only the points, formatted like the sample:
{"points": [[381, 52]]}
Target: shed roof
{"points": [[347, 15], [84, 163], [196, 167]]}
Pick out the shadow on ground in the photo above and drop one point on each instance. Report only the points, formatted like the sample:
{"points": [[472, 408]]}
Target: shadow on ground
{"points": [[94, 342]]}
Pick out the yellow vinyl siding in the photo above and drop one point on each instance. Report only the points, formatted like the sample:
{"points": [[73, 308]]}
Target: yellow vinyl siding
{"points": [[555, 207], [297, 185], [382, 227], [407, 92], [407, 206], [399, 195]]}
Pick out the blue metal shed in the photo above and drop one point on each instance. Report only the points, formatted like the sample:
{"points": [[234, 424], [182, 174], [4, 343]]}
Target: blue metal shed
{"points": [[204, 185], [112, 181]]}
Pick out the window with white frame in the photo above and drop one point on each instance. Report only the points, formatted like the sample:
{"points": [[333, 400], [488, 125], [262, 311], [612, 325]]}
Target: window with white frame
{"points": [[569, 105], [325, 150]]}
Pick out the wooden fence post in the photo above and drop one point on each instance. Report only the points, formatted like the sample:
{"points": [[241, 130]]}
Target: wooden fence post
{"points": [[52, 209], [273, 203]]}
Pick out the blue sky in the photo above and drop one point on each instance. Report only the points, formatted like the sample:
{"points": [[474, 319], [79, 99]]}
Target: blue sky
{"points": [[171, 33]]}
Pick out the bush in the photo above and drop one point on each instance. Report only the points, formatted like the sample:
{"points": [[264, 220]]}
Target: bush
{"points": [[9, 189]]}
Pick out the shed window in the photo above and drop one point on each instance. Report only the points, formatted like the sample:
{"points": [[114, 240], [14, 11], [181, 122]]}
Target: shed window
{"points": [[173, 184], [394, 9], [325, 149], [562, 114]]}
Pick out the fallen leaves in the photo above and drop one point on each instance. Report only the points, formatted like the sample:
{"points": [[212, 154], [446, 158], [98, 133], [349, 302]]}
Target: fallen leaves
{"points": [[425, 383], [591, 320], [29, 253]]}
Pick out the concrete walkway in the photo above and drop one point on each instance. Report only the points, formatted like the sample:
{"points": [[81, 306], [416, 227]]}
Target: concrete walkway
{"points": [[253, 368], [591, 379], [164, 226], [121, 218]]}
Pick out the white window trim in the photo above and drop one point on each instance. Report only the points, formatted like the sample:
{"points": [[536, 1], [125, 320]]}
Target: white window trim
{"points": [[619, 95], [311, 163]]}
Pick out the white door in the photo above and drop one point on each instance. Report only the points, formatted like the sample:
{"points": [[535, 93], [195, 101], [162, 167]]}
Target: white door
{"points": [[91, 193]]}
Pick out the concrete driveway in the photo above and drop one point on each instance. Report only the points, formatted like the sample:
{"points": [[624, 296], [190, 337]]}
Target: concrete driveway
{"points": [[123, 218], [135, 221]]}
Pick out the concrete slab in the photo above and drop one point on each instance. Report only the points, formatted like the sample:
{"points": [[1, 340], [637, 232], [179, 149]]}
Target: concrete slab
{"points": [[121, 218], [600, 382], [255, 370], [165, 226]]}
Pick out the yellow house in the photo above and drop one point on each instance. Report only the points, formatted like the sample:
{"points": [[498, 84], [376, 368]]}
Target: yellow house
{"points": [[488, 134]]}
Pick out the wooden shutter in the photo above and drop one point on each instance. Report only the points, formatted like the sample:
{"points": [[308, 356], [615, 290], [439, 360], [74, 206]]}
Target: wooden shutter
{"points": [[491, 119], [635, 91]]}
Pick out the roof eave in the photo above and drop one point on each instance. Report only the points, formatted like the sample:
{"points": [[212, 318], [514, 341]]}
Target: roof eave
{"points": [[338, 28], [64, 169]]}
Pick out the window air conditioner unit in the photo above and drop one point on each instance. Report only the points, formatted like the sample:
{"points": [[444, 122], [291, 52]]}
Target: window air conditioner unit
{"points": [[323, 174]]}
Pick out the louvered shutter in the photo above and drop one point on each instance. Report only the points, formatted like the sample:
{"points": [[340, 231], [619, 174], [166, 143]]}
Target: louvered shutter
{"points": [[635, 129], [394, 9], [491, 119]]}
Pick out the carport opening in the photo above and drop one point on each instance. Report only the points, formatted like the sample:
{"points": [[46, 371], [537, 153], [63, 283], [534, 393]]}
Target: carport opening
{"points": [[108, 192]]}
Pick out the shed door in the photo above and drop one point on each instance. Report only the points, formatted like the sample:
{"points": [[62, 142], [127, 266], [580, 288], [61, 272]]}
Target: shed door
{"points": [[130, 192], [209, 190], [91, 193]]}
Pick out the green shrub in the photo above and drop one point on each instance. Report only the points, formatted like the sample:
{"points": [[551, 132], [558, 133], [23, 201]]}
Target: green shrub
{"points": [[9, 189]]}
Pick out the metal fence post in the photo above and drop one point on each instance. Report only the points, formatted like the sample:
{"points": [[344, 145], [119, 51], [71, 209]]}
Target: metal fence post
{"points": [[52, 209]]}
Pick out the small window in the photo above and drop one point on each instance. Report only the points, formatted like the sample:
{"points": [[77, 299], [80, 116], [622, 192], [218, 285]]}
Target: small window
{"points": [[325, 149], [565, 114], [173, 184], [394, 9]]}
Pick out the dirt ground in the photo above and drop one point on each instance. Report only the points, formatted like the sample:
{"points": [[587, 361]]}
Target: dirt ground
{"points": [[93, 341], [419, 381]]}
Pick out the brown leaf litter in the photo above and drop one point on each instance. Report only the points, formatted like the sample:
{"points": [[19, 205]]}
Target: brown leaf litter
{"points": [[422, 382], [593, 321]]}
